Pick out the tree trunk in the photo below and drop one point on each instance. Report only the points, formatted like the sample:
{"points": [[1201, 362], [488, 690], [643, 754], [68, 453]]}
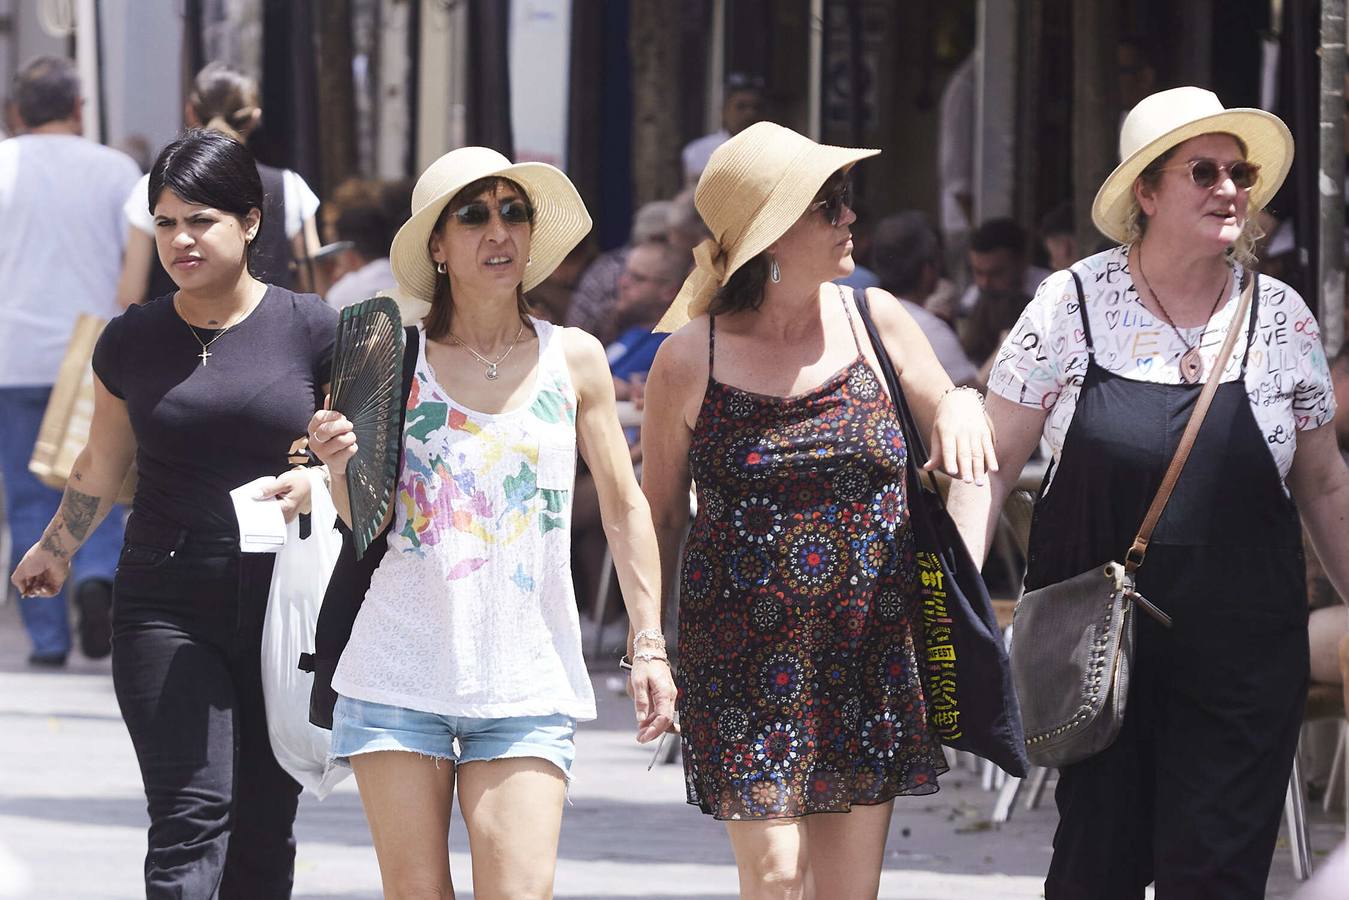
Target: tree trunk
{"points": [[336, 94], [653, 40], [1095, 110]]}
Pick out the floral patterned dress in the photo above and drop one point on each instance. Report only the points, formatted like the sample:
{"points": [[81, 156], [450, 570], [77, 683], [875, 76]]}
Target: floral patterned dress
{"points": [[800, 624]]}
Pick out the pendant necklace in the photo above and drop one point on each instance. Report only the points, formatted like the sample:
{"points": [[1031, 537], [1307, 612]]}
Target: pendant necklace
{"points": [[1191, 363], [491, 373], [205, 353]]}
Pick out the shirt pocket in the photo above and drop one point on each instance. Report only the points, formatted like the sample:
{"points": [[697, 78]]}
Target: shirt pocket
{"points": [[557, 463]]}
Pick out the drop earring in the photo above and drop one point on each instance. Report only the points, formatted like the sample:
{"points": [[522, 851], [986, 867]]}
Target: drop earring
{"points": [[440, 267], [774, 273]]}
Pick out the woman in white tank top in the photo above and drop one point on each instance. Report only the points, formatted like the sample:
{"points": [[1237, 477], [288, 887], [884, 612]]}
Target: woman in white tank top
{"points": [[464, 665]]}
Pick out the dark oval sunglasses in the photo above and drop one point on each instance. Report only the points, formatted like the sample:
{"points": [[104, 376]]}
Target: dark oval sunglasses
{"points": [[834, 199], [1206, 172], [478, 213]]}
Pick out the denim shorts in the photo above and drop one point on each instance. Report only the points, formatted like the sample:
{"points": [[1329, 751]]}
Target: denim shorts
{"points": [[363, 727]]}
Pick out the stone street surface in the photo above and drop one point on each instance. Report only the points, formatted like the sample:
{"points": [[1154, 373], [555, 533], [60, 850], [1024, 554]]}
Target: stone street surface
{"points": [[72, 815]]}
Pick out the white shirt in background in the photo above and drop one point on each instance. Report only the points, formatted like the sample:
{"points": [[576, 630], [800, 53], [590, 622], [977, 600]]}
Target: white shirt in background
{"points": [[301, 203], [698, 151], [61, 240], [370, 280]]}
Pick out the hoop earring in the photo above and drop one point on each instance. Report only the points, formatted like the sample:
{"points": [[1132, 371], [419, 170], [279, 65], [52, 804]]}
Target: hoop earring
{"points": [[774, 272], [440, 267]]}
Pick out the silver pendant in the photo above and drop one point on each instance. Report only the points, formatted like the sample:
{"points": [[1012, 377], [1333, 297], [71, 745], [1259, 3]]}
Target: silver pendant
{"points": [[1191, 366], [492, 372]]}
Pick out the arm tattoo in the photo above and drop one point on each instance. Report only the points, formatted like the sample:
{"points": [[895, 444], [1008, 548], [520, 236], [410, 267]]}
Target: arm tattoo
{"points": [[79, 511], [52, 545]]}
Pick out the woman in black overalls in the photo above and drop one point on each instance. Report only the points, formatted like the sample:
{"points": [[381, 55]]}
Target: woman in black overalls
{"points": [[1107, 363]]}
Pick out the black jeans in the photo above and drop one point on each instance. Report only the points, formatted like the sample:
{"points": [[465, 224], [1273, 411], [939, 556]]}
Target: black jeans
{"points": [[187, 630]]}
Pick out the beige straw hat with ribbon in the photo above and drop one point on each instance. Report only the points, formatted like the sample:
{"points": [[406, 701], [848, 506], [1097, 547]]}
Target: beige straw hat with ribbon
{"points": [[1167, 118], [560, 217], [755, 186]]}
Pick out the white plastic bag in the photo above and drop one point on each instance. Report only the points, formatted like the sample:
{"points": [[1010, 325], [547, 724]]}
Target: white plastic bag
{"points": [[299, 579]]}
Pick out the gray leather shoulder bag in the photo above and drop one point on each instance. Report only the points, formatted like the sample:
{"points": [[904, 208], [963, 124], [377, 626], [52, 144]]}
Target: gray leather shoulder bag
{"points": [[1072, 642]]}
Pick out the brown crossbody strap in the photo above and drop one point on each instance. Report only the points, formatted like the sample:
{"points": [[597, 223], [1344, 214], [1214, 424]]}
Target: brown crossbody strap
{"points": [[1134, 558]]}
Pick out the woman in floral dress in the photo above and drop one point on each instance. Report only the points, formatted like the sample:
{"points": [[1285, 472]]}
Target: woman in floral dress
{"points": [[800, 630]]}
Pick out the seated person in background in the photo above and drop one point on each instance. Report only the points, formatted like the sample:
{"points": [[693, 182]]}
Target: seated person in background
{"points": [[552, 299], [1328, 625], [651, 279], [1059, 237], [592, 302], [999, 264], [1328, 622], [982, 332], [906, 254], [368, 223]]}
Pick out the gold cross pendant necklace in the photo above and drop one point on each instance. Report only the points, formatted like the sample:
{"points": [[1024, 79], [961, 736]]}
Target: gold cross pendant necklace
{"points": [[205, 353]]}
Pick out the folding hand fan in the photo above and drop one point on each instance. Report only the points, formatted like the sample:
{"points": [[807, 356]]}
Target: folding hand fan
{"points": [[367, 389]]}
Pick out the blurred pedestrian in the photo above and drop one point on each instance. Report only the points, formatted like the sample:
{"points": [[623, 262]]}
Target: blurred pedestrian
{"points": [[907, 253], [61, 238], [464, 670], [1105, 366], [1058, 233], [999, 260], [362, 270], [225, 100], [208, 389], [742, 105], [797, 615], [596, 294]]}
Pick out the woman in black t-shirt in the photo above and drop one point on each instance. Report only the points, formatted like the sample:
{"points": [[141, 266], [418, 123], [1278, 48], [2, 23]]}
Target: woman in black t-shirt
{"points": [[209, 388]]}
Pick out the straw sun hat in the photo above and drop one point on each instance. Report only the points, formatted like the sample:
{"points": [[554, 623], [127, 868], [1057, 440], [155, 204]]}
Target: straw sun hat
{"points": [[755, 186], [560, 218], [1167, 118]]}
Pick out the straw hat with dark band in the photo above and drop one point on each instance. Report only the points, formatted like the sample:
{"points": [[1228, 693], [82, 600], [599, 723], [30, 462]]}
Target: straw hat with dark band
{"points": [[1165, 119], [754, 187], [560, 218]]}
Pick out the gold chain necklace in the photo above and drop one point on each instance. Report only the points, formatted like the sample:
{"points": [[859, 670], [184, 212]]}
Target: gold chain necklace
{"points": [[491, 373]]}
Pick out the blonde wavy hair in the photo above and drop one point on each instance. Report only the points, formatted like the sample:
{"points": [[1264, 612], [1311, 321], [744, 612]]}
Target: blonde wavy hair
{"points": [[1243, 251]]}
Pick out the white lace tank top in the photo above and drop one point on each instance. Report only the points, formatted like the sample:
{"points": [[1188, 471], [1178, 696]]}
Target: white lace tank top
{"points": [[471, 612]]}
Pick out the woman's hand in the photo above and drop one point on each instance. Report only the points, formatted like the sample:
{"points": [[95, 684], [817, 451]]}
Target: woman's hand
{"points": [[653, 697], [43, 569], [293, 489], [961, 441], [333, 440]]}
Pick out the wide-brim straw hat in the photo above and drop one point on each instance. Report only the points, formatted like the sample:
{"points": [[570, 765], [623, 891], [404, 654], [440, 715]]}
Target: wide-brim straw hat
{"points": [[755, 186], [1167, 118], [560, 217]]}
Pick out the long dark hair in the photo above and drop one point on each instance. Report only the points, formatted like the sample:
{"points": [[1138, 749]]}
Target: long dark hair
{"points": [[438, 320], [208, 167]]}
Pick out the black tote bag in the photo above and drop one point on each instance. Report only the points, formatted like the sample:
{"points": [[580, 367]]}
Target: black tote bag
{"points": [[970, 698]]}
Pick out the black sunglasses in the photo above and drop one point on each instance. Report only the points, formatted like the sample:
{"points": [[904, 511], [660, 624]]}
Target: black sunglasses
{"points": [[835, 199], [478, 213], [1205, 172]]}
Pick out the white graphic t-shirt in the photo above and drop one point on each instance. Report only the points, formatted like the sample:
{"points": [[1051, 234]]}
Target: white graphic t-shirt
{"points": [[1044, 359]]}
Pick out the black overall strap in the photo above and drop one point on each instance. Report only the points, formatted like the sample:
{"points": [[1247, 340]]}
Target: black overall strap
{"points": [[1082, 311], [1250, 327]]}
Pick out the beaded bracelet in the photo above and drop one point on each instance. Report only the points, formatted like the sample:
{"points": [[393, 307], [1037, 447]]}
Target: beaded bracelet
{"points": [[653, 635], [978, 395]]}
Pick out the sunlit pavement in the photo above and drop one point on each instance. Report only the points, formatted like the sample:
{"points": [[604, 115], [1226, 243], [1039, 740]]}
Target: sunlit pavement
{"points": [[72, 815]]}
